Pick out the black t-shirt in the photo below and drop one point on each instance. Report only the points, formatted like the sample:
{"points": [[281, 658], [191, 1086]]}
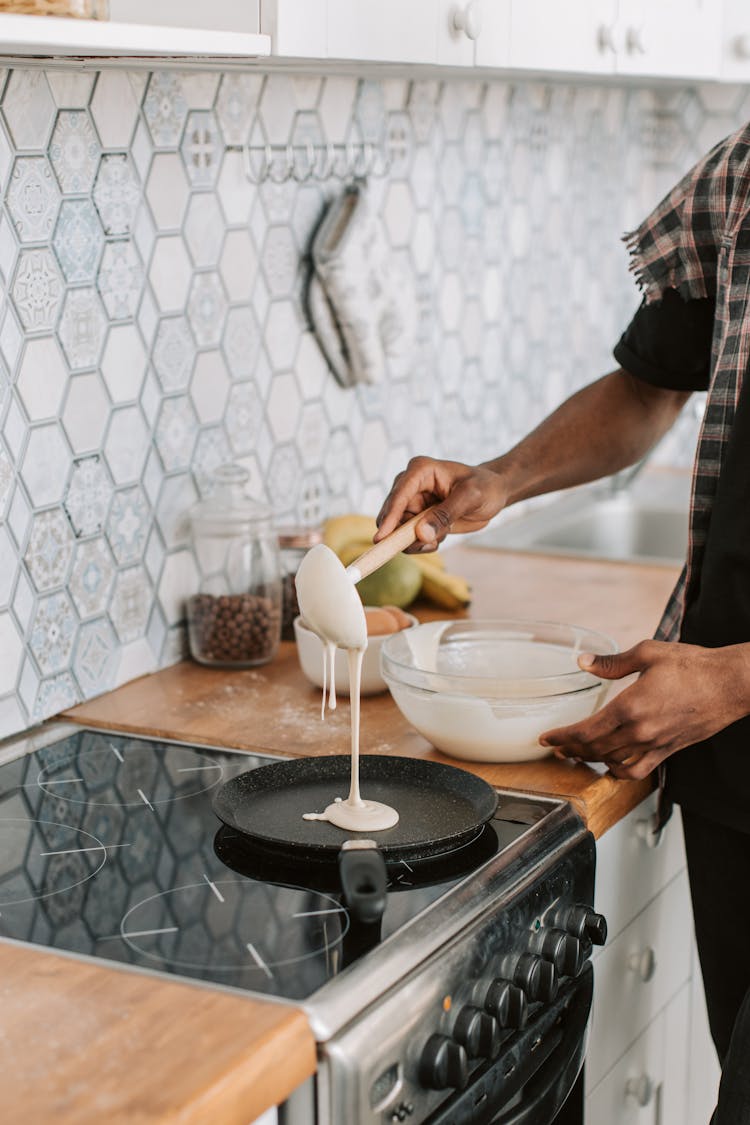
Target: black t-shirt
{"points": [[669, 345]]}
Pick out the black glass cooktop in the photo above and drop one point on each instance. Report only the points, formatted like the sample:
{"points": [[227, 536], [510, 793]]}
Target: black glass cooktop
{"points": [[109, 847]]}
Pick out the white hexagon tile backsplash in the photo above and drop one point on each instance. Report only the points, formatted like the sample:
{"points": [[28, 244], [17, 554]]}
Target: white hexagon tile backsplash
{"points": [[155, 326]]}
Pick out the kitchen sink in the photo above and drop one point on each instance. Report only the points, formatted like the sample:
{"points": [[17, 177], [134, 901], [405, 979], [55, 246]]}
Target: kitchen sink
{"points": [[647, 522]]}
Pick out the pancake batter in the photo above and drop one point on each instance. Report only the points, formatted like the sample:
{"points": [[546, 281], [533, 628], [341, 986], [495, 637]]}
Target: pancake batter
{"points": [[331, 607]]}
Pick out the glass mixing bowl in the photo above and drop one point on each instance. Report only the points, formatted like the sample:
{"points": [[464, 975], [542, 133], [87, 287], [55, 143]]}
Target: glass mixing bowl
{"points": [[486, 690]]}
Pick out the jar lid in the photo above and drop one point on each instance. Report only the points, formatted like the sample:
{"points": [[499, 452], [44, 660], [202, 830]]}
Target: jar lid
{"points": [[300, 537], [228, 507]]}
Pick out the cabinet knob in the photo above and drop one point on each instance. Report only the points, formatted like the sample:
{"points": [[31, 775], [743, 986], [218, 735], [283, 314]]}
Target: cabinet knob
{"points": [[634, 41], [606, 40], [643, 963], [468, 19], [742, 46], [639, 1090]]}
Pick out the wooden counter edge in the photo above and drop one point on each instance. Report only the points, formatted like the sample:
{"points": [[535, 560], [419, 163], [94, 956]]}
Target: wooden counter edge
{"points": [[82, 1043]]}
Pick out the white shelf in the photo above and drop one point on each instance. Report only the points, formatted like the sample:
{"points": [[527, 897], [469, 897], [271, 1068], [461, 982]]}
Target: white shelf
{"points": [[48, 37]]}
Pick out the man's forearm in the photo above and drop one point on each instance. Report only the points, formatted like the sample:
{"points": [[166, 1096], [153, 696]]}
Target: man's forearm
{"points": [[601, 429]]}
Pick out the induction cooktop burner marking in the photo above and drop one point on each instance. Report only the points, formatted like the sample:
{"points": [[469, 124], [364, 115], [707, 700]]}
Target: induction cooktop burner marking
{"points": [[141, 775], [406, 865], [317, 913], [72, 851], [214, 888], [239, 930], [259, 960], [20, 839]]}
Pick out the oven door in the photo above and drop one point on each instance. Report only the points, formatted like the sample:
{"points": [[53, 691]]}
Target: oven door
{"points": [[530, 1081]]}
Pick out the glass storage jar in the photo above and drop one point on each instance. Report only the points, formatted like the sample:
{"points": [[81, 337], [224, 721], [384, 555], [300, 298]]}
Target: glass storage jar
{"points": [[235, 618], [294, 543]]}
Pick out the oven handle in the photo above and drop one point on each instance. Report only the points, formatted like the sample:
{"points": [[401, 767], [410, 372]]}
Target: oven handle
{"points": [[542, 1062]]}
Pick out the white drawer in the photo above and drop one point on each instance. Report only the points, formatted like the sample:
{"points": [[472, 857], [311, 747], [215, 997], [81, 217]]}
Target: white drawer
{"points": [[630, 871], [625, 1002], [648, 1085]]}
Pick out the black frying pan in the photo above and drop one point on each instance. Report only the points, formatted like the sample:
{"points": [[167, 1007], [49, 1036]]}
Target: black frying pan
{"points": [[441, 807]]}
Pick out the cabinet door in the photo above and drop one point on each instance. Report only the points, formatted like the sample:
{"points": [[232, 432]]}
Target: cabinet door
{"points": [[298, 28], [547, 35], [735, 41], [669, 38], [219, 15], [493, 44], [383, 30]]}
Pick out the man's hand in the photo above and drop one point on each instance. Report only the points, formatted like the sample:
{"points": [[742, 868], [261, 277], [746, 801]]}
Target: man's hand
{"points": [[462, 498], [683, 694]]}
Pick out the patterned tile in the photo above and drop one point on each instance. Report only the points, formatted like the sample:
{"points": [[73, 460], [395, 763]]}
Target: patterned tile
{"points": [[284, 478], [96, 657], [131, 603], [52, 633], [33, 198], [42, 378], [128, 524], [8, 565], [37, 289], [28, 108], [92, 577], [55, 695], [165, 109], [211, 450], [280, 261], [242, 342], [207, 309], [120, 279], [78, 241], [244, 417], [88, 496], [175, 433], [178, 495], [74, 151], [49, 550], [6, 479], [174, 353], [236, 105], [202, 149], [116, 194], [82, 328]]}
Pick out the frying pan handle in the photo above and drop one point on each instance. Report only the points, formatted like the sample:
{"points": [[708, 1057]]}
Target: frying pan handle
{"points": [[363, 879]]}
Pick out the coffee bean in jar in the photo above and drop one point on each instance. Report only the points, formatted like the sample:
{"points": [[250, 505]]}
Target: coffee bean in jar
{"points": [[294, 543], [240, 629], [234, 619]]}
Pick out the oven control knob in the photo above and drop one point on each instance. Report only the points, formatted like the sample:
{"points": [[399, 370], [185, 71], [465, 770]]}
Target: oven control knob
{"points": [[583, 922], [506, 1003], [537, 977], [562, 949], [477, 1032], [444, 1065]]}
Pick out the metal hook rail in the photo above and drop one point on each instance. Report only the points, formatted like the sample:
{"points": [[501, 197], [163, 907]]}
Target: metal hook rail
{"points": [[307, 161]]}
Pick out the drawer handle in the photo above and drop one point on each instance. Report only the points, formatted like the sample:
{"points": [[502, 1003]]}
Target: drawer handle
{"points": [[643, 963], [639, 1090], [645, 830]]}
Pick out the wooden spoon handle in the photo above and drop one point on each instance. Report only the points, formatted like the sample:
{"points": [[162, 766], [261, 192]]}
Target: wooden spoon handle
{"points": [[386, 549]]}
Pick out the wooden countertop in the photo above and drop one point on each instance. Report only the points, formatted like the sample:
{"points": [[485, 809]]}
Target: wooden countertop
{"points": [[87, 1042], [274, 708]]}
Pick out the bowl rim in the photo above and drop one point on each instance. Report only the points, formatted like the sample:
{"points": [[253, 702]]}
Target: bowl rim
{"points": [[528, 687], [300, 623]]}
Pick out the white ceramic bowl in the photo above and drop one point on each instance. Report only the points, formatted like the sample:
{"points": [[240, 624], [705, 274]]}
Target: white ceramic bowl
{"points": [[486, 690], [310, 653]]}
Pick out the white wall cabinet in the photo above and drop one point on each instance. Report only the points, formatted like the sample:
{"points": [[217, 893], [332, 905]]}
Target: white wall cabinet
{"points": [[668, 38], [650, 1060], [548, 36], [735, 41]]}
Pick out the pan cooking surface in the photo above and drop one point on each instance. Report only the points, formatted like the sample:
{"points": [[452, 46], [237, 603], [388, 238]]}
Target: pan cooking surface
{"points": [[440, 806]]}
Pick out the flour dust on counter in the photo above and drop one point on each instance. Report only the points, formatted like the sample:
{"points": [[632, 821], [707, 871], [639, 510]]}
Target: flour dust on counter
{"points": [[331, 607]]}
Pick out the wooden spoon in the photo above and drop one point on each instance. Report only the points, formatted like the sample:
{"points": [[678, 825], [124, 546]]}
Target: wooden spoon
{"points": [[387, 549]]}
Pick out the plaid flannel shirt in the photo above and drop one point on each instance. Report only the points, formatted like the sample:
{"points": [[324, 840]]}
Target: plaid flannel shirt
{"points": [[698, 241]]}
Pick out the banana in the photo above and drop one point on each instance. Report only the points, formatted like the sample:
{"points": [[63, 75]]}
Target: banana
{"points": [[449, 591], [430, 562], [341, 530]]}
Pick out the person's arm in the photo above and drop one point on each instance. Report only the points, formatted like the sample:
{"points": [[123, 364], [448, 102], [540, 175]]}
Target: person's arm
{"points": [[601, 429]]}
